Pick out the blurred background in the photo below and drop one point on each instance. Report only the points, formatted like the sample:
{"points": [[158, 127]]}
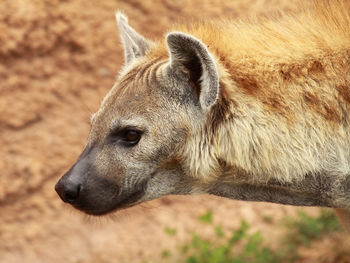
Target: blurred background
{"points": [[58, 58]]}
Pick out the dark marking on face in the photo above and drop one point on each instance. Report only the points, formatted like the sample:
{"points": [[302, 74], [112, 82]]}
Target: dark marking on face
{"points": [[152, 79], [100, 204], [91, 192], [98, 194], [134, 80]]}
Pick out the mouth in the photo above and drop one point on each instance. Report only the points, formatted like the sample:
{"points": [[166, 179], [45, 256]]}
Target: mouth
{"points": [[127, 201]]}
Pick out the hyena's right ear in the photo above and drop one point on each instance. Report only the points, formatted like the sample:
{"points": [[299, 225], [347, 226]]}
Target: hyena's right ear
{"points": [[134, 44]]}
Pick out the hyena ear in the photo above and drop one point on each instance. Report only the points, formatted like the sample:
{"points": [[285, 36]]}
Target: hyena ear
{"points": [[190, 54], [134, 44]]}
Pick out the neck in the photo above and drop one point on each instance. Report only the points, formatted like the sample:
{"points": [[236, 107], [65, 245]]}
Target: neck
{"points": [[313, 190]]}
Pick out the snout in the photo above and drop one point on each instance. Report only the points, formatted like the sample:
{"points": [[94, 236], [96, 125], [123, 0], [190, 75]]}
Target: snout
{"points": [[68, 190], [94, 191], [85, 189]]}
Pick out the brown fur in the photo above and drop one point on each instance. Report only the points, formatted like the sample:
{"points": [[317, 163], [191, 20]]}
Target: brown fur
{"points": [[286, 50]]}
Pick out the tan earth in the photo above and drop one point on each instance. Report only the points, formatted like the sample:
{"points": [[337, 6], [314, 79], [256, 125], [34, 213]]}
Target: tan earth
{"points": [[57, 60]]}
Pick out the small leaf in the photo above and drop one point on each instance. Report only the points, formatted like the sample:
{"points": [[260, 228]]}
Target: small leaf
{"points": [[268, 219], [206, 218], [218, 231], [192, 260], [170, 231], [185, 249], [165, 253]]}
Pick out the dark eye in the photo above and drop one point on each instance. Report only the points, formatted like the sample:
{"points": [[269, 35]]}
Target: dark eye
{"points": [[127, 137], [132, 136]]}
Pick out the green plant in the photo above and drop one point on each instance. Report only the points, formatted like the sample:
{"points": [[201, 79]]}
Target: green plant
{"points": [[165, 253], [206, 218], [306, 228], [242, 246], [170, 231]]}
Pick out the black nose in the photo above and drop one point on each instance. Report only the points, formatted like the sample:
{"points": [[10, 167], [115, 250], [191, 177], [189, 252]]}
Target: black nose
{"points": [[68, 190]]}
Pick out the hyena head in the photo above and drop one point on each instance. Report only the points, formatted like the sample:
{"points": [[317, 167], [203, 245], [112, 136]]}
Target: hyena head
{"points": [[136, 147]]}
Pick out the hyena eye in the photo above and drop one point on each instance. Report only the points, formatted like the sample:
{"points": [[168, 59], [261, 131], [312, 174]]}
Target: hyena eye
{"points": [[126, 137], [132, 136]]}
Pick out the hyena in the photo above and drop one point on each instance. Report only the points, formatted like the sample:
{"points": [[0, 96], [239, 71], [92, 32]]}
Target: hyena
{"points": [[256, 110]]}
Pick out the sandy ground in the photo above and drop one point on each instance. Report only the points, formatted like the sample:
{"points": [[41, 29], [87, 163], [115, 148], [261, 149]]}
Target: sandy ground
{"points": [[57, 60]]}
